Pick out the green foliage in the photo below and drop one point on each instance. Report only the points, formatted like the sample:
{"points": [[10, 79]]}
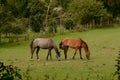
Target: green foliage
{"points": [[112, 7], [3, 1], [21, 6], [47, 1], [9, 72], [17, 7], [85, 11], [117, 72], [52, 27], [35, 24], [69, 24], [27, 75], [6, 18], [7, 28], [37, 15], [64, 3], [18, 27]]}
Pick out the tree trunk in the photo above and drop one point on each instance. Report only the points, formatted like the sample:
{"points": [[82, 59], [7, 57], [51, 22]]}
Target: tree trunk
{"points": [[46, 18]]}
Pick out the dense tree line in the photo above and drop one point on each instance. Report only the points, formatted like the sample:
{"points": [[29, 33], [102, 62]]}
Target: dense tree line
{"points": [[112, 6], [16, 16]]}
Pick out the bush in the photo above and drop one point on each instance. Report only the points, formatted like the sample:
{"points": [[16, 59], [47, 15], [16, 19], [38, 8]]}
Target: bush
{"points": [[52, 27], [87, 11], [37, 11], [9, 72], [18, 29], [69, 24], [117, 72], [35, 25]]}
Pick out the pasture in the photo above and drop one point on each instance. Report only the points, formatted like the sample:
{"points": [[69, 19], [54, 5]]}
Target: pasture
{"points": [[104, 45]]}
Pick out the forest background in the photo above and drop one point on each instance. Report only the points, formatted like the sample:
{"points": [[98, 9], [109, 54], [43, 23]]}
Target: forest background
{"points": [[20, 18]]}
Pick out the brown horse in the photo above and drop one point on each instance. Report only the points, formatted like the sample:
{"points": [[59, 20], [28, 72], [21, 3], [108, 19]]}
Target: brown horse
{"points": [[76, 44]]}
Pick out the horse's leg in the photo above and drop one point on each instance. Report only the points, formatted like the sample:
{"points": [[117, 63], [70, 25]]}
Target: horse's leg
{"points": [[47, 56], [32, 51], [65, 51], [49, 53], [75, 53], [38, 48], [80, 53]]}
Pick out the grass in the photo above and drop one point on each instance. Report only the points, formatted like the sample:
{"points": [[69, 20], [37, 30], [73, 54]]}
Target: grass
{"points": [[104, 46]]}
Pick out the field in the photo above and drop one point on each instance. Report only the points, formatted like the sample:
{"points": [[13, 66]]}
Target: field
{"points": [[104, 45]]}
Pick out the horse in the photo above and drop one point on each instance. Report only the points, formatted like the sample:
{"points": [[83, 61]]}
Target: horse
{"points": [[76, 44], [44, 43]]}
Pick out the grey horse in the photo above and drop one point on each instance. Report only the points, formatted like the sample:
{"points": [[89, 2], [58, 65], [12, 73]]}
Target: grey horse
{"points": [[44, 43]]}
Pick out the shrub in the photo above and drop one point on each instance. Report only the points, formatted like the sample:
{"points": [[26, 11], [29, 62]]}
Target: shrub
{"points": [[18, 29], [35, 25], [117, 72], [52, 27], [9, 72], [69, 24]]}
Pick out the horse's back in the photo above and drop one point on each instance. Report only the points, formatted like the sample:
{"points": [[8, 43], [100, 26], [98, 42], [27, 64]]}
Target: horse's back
{"points": [[72, 42], [43, 42]]}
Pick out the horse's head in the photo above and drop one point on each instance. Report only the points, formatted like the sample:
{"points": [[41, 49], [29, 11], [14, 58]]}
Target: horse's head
{"points": [[85, 46], [60, 45], [58, 55], [88, 55]]}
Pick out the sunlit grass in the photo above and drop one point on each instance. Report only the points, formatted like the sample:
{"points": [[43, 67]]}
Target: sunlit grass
{"points": [[104, 45]]}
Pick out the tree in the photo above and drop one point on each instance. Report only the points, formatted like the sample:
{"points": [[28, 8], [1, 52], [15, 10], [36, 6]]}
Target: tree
{"points": [[85, 11], [69, 24], [5, 20], [113, 7], [3, 1], [37, 14], [17, 7], [52, 27], [7, 26], [21, 6], [18, 27], [64, 3]]}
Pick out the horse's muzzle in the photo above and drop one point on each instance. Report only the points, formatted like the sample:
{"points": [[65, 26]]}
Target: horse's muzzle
{"points": [[58, 57]]}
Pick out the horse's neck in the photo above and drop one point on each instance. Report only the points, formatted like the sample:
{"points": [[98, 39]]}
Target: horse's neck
{"points": [[86, 49], [85, 46], [55, 48]]}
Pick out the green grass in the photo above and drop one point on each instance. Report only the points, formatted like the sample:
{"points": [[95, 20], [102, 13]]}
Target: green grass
{"points": [[104, 46]]}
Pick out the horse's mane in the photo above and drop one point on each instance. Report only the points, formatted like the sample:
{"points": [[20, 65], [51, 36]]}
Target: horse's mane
{"points": [[54, 45], [86, 46]]}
